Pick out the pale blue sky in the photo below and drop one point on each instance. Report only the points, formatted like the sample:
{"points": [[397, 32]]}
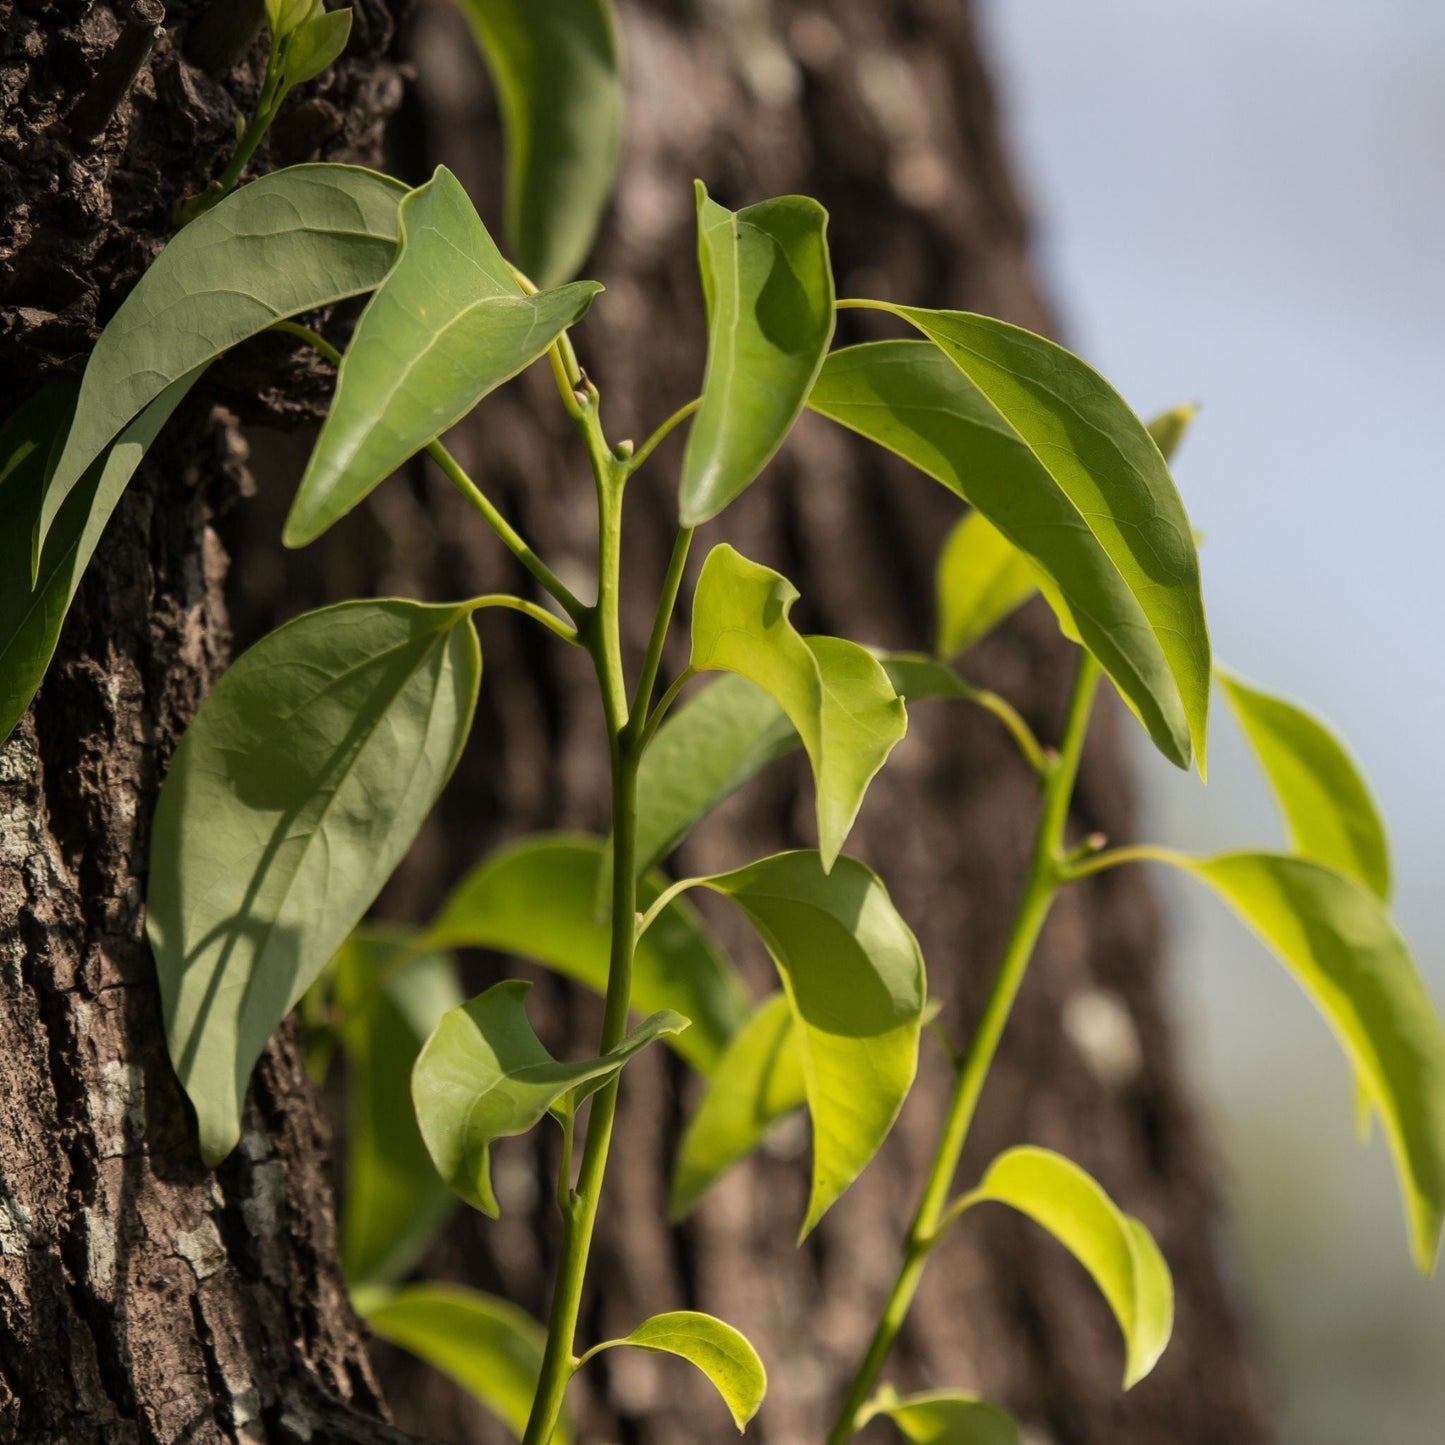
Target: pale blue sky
{"points": [[1242, 202]]}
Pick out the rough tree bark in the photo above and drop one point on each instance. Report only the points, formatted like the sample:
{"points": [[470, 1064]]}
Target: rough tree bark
{"points": [[143, 1301], [885, 112]]}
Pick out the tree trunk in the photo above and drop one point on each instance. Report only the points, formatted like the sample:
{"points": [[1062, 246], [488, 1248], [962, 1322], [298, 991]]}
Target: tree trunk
{"points": [[143, 1300], [885, 113]]}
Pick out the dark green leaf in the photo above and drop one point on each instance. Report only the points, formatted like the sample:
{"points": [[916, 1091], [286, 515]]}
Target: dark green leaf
{"points": [[757, 1081], [944, 1417], [292, 797], [1326, 803], [484, 1075], [834, 692], [853, 975], [448, 325], [1113, 1246], [558, 76], [1052, 457], [534, 899], [31, 618], [769, 291], [391, 998], [722, 1353], [490, 1348], [1337, 939], [290, 242]]}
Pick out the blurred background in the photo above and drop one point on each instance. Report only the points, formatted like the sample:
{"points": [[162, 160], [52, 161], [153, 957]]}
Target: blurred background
{"points": [[1240, 202]]}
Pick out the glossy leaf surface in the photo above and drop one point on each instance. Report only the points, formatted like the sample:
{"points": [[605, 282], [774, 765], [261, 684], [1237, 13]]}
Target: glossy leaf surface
{"points": [[1114, 1247], [535, 899], [769, 291], [1047, 451], [834, 692], [484, 1075], [395, 1204], [1337, 939], [945, 1417], [1326, 803], [287, 243], [558, 72], [31, 618], [981, 578], [757, 1081], [291, 799], [722, 1353], [853, 975], [447, 325], [489, 1347]]}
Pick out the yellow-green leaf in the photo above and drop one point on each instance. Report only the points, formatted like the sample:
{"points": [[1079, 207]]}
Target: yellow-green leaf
{"points": [[835, 693], [1326, 803], [1114, 1247], [944, 1417], [981, 578]]}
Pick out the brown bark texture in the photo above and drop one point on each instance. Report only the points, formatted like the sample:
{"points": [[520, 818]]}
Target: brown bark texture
{"points": [[143, 1300], [887, 115]]}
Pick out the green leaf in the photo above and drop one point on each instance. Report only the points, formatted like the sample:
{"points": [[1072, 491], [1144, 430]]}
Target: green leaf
{"points": [[853, 975], [1326, 803], [705, 751], [769, 290], [981, 578], [31, 618], [722, 1353], [558, 74], [489, 1347], [391, 998], [284, 16], [1114, 1247], [1170, 428], [484, 1075], [944, 1417], [449, 324], [835, 693], [292, 797], [1045, 449], [757, 1081], [534, 899], [290, 242], [1336, 937], [313, 45]]}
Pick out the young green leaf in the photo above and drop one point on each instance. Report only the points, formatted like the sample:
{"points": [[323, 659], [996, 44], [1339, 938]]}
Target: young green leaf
{"points": [[835, 693], [1326, 803], [853, 975], [757, 1081], [489, 1347], [722, 1353], [394, 1205], [558, 74], [290, 242], [284, 16], [944, 1417], [534, 899], [313, 45], [769, 291], [484, 1075], [293, 795], [1052, 457], [981, 578], [448, 325], [1114, 1247], [31, 618], [1336, 937]]}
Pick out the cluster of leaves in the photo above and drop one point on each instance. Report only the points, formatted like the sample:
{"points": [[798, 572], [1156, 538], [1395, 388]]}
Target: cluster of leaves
{"points": [[311, 767]]}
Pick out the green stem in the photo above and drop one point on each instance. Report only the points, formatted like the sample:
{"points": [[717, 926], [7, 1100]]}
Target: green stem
{"points": [[1044, 879], [672, 583], [527, 609], [1009, 716], [602, 637], [662, 433], [1114, 857]]}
